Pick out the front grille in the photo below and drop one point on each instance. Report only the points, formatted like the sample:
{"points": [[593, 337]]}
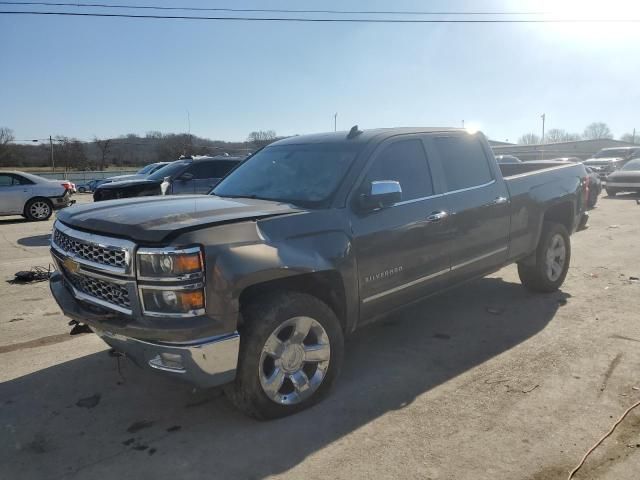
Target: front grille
{"points": [[101, 289], [112, 257]]}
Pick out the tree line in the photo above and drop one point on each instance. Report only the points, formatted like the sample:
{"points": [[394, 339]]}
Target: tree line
{"points": [[130, 150], [593, 131]]}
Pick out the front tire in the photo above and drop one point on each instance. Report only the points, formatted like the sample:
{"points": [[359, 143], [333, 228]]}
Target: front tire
{"points": [[291, 350], [553, 256], [38, 209]]}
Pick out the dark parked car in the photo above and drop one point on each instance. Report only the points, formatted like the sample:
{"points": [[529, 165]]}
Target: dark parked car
{"points": [[142, 173], [609, 160], [627, 179], [182, 177], [256, 285]]}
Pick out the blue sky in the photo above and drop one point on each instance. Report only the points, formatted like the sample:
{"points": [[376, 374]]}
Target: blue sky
{"points": [[82, 77]]}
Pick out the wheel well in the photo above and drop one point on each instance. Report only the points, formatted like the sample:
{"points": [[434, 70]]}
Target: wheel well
{"points": [[561, 213], [326, 286], [24, 210]]}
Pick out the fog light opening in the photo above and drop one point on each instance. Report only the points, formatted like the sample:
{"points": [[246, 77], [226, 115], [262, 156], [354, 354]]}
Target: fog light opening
{"points": [[168, 361]]}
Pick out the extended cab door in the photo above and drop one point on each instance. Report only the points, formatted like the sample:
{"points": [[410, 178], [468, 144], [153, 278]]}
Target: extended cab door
{"points": [[477, 201], [402, 250]]}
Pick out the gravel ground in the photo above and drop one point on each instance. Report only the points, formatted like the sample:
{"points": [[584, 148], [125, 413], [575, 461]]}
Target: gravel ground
{"points": [[487, 381]]}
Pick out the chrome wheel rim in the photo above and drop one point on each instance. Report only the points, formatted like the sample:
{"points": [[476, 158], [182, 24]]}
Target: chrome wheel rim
{"points": [[39, 210], [556, 257], [294, 360]]}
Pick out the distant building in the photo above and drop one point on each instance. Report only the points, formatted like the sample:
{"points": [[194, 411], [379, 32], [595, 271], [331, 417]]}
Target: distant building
{"points": [[581, 148]]}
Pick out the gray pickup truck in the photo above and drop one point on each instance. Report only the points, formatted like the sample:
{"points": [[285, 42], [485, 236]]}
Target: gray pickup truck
{"points": [[256, 285]]}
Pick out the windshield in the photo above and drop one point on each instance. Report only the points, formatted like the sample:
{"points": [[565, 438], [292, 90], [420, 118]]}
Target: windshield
{"points": [[632, 165], [612, 152], [148, 169], [169, 170], [302, 174]]}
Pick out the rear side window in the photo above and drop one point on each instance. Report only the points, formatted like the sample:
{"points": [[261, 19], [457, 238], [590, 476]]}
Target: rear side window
{"points": [[463, 161], [406, 163], [213, 169], [18, 180]]}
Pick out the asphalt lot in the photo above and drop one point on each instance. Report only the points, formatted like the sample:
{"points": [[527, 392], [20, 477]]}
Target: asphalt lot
{"points": [[485, 382]]}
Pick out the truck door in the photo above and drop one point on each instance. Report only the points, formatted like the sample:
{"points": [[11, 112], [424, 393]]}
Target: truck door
{"points": [[401, 250], [477, 201]]}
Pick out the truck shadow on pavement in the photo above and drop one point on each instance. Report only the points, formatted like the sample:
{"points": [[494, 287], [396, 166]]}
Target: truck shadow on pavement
{"points": [[35, 241], [83, 419]]}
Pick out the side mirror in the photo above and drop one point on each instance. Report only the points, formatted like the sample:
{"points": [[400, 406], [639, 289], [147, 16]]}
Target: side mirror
{"points": [[381, 194], [186, 176]]}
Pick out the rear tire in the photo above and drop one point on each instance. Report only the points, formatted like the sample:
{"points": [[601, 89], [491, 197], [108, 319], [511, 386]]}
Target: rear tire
{"points": [[553, 256], [38, 209], [278, 375]]}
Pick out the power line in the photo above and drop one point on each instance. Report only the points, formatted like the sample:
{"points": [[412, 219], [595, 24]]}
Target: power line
{"points": [[319, 20], [267, 10]]}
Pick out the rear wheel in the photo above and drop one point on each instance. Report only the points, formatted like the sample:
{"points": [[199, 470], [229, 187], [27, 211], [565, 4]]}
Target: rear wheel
{"points": [[38, 209], [552, 260], [291, 352]]}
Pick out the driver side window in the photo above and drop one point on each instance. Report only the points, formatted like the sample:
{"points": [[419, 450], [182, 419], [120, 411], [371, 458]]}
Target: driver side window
{"points": [[405, 162]]}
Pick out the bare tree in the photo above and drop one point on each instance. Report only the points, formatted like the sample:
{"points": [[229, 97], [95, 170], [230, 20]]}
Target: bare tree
{"points": [[261, 138], [529, 139], [70, 153], [631, 137], [556, 135], [6, 137], [597, 130], [105, 148]]}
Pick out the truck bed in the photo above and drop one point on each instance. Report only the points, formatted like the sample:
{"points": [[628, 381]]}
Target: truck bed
{"points": [[514, 169], [533, 188]]}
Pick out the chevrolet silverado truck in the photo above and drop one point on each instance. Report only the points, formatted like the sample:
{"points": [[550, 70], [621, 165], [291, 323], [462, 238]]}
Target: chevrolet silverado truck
{"points": [[255, 285]]}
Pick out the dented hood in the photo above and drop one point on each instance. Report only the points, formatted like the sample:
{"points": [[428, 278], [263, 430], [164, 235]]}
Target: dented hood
{"points": [[152, 219]]}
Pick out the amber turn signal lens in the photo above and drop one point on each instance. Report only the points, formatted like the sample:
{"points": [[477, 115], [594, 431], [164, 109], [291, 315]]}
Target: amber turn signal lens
{"points": [[188, 263], [193, 300]]}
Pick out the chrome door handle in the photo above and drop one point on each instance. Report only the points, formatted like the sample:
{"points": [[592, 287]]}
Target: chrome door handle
{"points": [[499, 201], [437, 216]]}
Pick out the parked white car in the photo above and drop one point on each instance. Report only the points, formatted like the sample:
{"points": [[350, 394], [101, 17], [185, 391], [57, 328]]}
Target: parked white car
{"points": [[32, 196]]}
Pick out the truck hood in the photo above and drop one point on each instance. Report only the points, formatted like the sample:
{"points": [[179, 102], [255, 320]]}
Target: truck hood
{"points": [[120, 178], [151, 220], [128, 183], [601, 161]]}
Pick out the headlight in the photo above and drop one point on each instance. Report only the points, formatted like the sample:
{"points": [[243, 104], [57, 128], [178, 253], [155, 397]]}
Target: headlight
{"points": [[167, 263], [168, 302]]}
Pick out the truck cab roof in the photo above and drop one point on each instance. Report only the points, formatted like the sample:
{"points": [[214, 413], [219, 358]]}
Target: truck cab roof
{"points": [[363, 136]]}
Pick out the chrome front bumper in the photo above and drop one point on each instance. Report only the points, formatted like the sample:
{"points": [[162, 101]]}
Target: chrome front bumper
{"points": [[205, 363]]}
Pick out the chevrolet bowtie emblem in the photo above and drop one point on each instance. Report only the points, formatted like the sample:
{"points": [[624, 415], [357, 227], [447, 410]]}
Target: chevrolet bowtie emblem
{"points": [[71, 265]]}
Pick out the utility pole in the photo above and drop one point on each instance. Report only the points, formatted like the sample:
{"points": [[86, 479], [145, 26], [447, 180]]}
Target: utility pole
{"points": [[335, 122], [53, 165], [633, 138], [543, 116], [462, 123]]}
